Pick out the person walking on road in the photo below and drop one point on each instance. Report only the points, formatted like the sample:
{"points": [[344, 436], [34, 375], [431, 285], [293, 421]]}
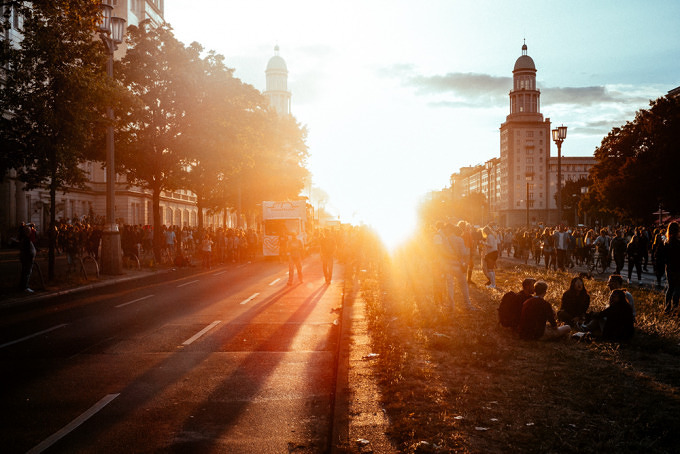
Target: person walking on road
{"points": [[26, 256], [294, 252], [327, 251]]}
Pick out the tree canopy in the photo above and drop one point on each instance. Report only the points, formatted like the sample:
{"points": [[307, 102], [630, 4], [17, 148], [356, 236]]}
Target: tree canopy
{"points": [[54, 95], [637, 164], [197, 127]]}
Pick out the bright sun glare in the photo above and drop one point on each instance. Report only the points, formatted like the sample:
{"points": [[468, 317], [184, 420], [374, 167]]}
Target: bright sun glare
{"points": [[394, 231]]}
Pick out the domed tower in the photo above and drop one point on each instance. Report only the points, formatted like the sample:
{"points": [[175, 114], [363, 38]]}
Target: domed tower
{"points": [[523, 193], [524, 97], [277, 84]]}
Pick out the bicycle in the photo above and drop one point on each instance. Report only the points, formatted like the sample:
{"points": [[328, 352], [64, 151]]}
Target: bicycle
{"points": [[597, 262]]}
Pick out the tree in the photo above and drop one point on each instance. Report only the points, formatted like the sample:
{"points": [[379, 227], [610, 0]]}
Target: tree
{"points": [[637, 164], [273, 164], [571, 198], [53, 97], [214, 132], [160, 72]]}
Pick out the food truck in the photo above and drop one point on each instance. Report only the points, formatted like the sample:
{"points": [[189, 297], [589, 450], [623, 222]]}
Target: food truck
{"points": [[280, 219]]}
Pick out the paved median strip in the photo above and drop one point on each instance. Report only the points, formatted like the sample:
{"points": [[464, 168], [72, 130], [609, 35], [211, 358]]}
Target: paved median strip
{"points": [[73, 425], [135, 301], [250, 298], [196, 336], [32, 336]]}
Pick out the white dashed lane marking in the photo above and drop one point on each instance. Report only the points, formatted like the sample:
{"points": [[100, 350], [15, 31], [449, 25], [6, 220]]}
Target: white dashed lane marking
{"points": [[250, 298], [196, 336], [31, 336], [135, 301], [73, 425], [187, 283]]}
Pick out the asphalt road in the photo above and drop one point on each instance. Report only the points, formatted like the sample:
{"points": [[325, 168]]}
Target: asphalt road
{"points": [[226, 360]]}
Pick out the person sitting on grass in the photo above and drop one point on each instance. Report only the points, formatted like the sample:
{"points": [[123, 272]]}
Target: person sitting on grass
{"points": [[536, 311], [575, 303], [615, 322], [615, 282], [510, 309]]}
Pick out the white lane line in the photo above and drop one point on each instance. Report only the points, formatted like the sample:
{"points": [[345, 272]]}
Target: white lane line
{"points": [[218, 273], [73, 425], [32, 336], [201, 332], [135, 301], [275, 281], [187, 283], [250, 298]]}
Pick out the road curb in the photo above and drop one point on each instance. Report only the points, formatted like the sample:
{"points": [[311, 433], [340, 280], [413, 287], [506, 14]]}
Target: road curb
{"points": [[340, 431], [18, 301]]}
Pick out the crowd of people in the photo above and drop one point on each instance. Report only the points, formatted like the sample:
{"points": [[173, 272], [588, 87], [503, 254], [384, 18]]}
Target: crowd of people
{"points": [[561, 248]]}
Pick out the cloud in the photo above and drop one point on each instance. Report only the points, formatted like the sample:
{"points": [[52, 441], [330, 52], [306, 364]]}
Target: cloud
{"points": [[485, 90]]}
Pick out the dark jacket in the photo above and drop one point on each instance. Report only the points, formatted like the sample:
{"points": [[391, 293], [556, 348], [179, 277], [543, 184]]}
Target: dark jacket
{"points": [[618, 322], [575, 303]]}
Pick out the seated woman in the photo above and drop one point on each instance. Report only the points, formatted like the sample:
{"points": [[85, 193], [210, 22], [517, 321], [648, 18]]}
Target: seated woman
{"points": [[575, 303], [615, 322]]}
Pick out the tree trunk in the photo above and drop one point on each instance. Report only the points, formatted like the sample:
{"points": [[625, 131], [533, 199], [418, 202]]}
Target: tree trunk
{"points": [[52, 236], [199, 205]]}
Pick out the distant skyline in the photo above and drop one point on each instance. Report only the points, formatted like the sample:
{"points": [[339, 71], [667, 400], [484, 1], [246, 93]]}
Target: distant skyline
{"points": [[399, 95]]}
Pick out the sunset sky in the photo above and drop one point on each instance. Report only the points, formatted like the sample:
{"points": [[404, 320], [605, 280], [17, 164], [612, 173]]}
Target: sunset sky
{"points": [[398, 95]]}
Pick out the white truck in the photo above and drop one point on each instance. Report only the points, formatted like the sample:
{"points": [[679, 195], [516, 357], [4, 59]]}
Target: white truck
{"points": [[281, 219]]}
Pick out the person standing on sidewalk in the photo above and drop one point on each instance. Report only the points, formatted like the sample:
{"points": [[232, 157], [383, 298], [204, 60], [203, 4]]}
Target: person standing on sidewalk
{"points": [[26, 257]]}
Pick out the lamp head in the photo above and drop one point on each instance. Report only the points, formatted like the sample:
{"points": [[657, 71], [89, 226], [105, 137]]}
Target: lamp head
{"points": [[105, 21], [562, 132], [118, 30]]}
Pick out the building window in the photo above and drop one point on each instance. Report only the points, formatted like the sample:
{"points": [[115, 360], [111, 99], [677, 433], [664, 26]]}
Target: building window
{"points": [[530, 133], [530, 160]]}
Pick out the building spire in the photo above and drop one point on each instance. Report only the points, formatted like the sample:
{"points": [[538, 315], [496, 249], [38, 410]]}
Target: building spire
{"points": [[524, 47]]}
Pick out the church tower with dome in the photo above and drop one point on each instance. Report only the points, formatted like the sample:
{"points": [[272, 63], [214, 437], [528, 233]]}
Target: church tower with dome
{"points": [[277, 84], [523, 184]]}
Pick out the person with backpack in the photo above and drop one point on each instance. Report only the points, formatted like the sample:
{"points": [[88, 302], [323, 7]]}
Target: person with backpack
{"points": [[510, 309]]}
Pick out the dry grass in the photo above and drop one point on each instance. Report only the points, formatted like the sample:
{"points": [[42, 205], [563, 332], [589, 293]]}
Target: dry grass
{"points": [[458, 382]]}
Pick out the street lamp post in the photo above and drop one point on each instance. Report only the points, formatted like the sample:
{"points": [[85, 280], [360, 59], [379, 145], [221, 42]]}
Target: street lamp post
{"points": [[111, 31], [584, 191], [558, 135], [529, 177]]}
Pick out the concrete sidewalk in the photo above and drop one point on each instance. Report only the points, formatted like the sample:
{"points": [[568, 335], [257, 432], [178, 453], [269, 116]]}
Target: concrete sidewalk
{"points": [[361, 424]]}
